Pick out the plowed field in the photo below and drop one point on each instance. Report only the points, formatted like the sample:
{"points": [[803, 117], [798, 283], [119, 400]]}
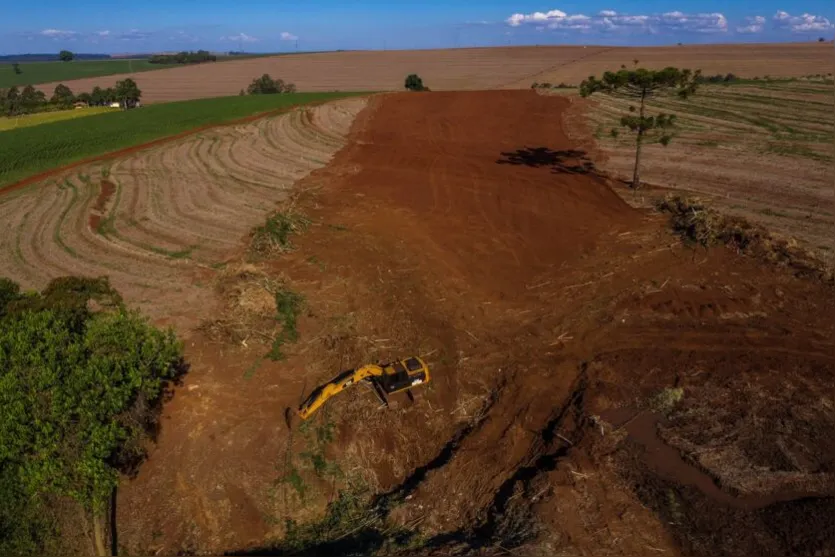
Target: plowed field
{"points": [[165, 213], [598, 388], [465, 69]]}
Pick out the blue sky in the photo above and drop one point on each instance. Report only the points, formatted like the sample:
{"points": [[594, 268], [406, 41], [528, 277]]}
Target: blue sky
{"points": [[281, 25]]}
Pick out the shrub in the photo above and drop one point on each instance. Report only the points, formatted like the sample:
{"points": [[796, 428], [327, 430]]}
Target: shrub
{"points": [[266, 85], [415, 83], [81, 391]]}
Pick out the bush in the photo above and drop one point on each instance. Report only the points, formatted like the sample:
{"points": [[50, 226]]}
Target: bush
{"points": [[698, 224], [415, 83], [81, 391], [266, 85]]}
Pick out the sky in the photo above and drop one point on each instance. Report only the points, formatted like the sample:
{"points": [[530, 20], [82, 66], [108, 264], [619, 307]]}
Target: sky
{"points": [[96, 26]]}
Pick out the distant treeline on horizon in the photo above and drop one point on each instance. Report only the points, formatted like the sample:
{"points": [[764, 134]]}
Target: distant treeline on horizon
{"points": [[53, 57]]}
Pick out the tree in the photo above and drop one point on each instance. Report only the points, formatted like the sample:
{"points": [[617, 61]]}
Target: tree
{"points": [[16, 68], [415, 83], [821, 40], [80, 392], [127, 93], [86, 98], [10, 101], [66, 56], [641, 85], [31, 99], [63, 97], [266, 85]]}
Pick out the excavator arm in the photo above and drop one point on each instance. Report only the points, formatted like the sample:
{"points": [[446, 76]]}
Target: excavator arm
{"points": [[386, 379]]}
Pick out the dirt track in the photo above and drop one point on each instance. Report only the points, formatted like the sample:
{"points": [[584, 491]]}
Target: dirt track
{"points": [[465, 69], [541, 301]]}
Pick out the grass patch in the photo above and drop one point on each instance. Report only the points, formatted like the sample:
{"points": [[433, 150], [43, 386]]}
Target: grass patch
{"points": [[288, 305], [274, 234], [772, 213], [708, 144], [697, 224], [352, 525], [47, 72], [28, 151], [182, 254], [14, 122]]}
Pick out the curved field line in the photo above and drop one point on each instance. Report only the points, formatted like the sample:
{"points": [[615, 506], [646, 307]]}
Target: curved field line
{"points": [[171, 210]]}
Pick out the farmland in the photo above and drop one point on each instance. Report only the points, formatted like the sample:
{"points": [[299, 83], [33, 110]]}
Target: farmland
{"points": [[602, 383], [28, 151], [467, 68], [25, 121], [762, 149], [36, 73]]}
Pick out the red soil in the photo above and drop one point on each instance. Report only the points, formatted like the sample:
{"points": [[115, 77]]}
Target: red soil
{"points": [[466, 227]]}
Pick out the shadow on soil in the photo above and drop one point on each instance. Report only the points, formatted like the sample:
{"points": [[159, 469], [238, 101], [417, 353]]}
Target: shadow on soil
{"points": [[568, 161]]}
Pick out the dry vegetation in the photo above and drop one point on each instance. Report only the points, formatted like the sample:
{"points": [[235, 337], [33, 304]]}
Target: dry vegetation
{"points": [[761, 149], [464, 69]]}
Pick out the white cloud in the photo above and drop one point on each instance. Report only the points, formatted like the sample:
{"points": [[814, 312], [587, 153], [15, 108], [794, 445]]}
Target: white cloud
{"points": [[752, 25], [240, 37], [612, 20], [801, 23], [285, 36], [58, 34], [103, 34]]}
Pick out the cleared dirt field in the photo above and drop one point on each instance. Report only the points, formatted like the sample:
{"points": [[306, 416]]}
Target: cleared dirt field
{"points": [[465, 69], [162, 214], [598, 388]]}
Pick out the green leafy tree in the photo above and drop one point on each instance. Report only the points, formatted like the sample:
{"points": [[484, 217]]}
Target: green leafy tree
{"points": [[32, 100], [639, 86], [66, 56], [80, 392], [415, 83], [10, 101], [127, 93], [266, 85], [16, 68], [62, 97]]}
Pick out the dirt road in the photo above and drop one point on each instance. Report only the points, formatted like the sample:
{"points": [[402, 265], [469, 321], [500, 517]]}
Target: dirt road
{"points": [[466, 228]]}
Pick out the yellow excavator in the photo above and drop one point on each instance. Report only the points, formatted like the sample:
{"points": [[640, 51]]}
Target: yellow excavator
{"points": [[385, 379]]}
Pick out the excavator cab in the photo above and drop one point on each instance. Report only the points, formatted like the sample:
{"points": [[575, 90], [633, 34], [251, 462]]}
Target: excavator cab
{"points": [[403, 375], [386, 379]]}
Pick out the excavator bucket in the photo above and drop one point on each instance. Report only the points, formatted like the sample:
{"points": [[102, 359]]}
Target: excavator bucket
{"points": [[386, 379]]}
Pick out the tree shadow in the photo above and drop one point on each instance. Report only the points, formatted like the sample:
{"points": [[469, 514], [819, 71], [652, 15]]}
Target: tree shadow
{"points": [[567, 161]]}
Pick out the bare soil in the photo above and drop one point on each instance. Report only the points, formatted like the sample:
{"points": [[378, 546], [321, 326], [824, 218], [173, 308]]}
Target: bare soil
{"points": [[464, 69], [467, 228]]}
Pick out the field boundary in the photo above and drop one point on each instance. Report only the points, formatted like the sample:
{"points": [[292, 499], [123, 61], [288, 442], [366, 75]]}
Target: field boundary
{"points": [[20, 184]]}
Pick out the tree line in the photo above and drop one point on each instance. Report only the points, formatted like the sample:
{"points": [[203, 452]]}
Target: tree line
{"points": [[29, 100], [184, 57]]}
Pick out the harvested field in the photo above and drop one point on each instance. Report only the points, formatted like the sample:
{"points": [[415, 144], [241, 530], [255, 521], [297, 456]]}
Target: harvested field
{"points": [[154, 218], [758, 149], [570, 337], [465, 69]]}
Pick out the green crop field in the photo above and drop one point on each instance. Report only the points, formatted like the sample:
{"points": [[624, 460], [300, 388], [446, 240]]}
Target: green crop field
{"points": [[47, 72], [28, 151], [27, 120]]}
